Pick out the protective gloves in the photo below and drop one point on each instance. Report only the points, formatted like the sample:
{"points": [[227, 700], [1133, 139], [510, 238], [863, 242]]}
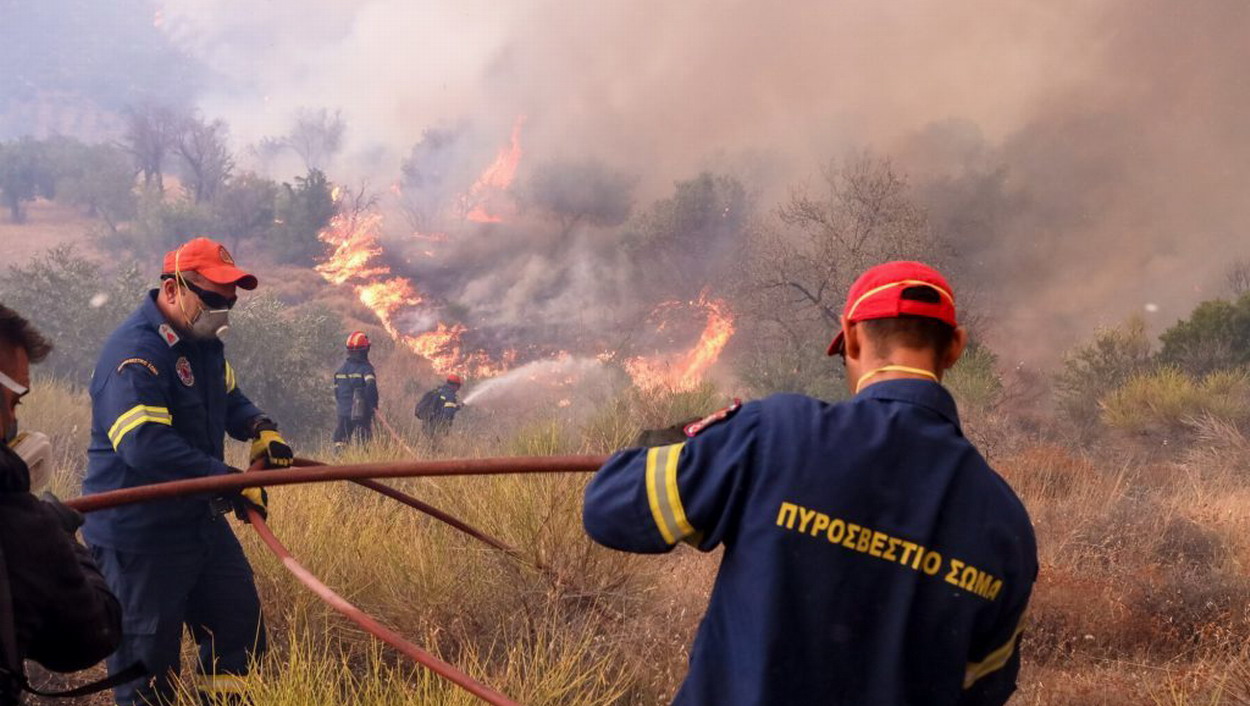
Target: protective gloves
{"points": [[255, 498], [269, 445]]}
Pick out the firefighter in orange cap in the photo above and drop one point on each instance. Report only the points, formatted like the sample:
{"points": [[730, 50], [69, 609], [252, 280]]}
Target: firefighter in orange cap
{"points": [[355, 392], [871, 555], [163, 399]]}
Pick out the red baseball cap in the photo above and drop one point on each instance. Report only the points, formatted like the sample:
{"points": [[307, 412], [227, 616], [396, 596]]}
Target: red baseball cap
{"points": [[878, 294], [211, 260]]}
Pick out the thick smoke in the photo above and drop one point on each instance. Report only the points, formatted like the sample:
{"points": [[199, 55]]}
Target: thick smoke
{"points": [[1085, 160]]}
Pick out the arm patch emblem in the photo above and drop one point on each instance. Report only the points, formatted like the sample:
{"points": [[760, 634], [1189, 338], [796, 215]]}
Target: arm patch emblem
{"points": [[146, 365], [695, 428]]}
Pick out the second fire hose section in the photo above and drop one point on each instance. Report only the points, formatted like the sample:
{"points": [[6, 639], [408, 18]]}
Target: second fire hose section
{"points": [[309, 471]]}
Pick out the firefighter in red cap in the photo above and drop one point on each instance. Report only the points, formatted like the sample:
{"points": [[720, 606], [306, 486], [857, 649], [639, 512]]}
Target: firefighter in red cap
{"points": [[163, 398], [355, 393], [871, 555], [438, 407]]}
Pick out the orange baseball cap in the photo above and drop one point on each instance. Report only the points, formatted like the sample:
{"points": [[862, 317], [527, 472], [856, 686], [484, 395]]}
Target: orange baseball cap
{"points": [[211, 260], [878, 294]]}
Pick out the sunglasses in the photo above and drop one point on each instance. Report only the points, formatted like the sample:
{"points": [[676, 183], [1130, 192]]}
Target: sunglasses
{"points": [[212, 300], [13, 385]]}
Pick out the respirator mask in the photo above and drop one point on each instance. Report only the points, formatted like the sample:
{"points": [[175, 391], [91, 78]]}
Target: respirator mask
{"points": [[35, 448], [213, 319]]}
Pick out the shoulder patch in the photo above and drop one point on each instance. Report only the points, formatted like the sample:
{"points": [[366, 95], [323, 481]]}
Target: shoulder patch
{"points": [[145, 364], [168, 335], [183, 366], [695, 428]]}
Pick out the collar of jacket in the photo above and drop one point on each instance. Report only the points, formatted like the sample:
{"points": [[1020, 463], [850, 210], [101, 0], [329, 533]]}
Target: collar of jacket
{"points": [[152, 314], [925, 393]]}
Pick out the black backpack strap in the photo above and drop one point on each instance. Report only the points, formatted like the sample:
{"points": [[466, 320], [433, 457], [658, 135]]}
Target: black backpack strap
{"points": [[128, 674], [13, 671]]}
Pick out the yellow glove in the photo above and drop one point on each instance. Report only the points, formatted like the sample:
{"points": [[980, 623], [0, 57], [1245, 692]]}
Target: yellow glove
{"points": [[270, 446], [255, 498]]}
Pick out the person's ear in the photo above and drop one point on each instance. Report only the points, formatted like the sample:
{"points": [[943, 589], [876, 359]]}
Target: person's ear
{"points": [[169, 290], [958, 343], [853, 344]]}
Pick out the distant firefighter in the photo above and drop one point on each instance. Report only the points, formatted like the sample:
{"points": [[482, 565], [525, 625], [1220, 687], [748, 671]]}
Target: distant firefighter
{"points": [[355, 392], [439, 406]]}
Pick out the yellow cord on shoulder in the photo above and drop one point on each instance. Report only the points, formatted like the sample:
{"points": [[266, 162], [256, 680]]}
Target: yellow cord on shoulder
{"points": [[894, 369]]}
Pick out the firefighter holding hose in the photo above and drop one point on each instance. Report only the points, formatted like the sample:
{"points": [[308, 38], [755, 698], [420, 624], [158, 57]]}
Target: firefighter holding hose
{"points": [[871, 554], [437, 408], [163, 398], [355, 392]]}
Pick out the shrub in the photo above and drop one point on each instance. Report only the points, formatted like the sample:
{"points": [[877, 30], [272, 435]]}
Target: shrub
{"points": [[1168, 400], [1092, 371], [1214, 337], [302, 210], [284, 359], [973, 380], [74, 302]]}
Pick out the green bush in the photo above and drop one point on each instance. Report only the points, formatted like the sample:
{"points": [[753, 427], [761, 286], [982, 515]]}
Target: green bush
{"points": [[75, 302], [284, 360], [302, 210], [1092, 371], [1167, 399], [973, 381], [1216, 336]]}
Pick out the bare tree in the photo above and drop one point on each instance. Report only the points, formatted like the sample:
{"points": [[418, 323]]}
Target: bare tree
{"points": [[317, 136], [581, 192], [1237, 276], [800, 263], [150, 134], [862, 214], [201, 145]]}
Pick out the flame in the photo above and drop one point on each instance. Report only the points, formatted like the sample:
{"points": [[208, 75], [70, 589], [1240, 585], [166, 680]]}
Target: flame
{"points": [[355, 259], [496, 179], [354, 239], [684, 372]]}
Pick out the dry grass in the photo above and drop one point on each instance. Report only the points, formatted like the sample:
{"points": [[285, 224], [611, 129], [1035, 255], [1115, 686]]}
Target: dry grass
{"points": [[1143, 596]]}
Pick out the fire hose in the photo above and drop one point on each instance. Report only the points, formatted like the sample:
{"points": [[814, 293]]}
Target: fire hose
{"points": [[308, 471]]}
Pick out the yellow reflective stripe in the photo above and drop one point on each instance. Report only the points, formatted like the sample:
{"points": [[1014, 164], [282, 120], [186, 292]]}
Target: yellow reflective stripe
{"points": [[994, 661], [117, 440], [135, 416], [231, 383], [222, 684], [902, 283], [662, 494], [653, 497], [674, 498]]}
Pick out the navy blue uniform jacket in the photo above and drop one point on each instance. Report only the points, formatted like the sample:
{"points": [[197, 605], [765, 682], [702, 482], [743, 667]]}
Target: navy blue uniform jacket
{"points": [[872, 557], [356, 373], [161, 405]]}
